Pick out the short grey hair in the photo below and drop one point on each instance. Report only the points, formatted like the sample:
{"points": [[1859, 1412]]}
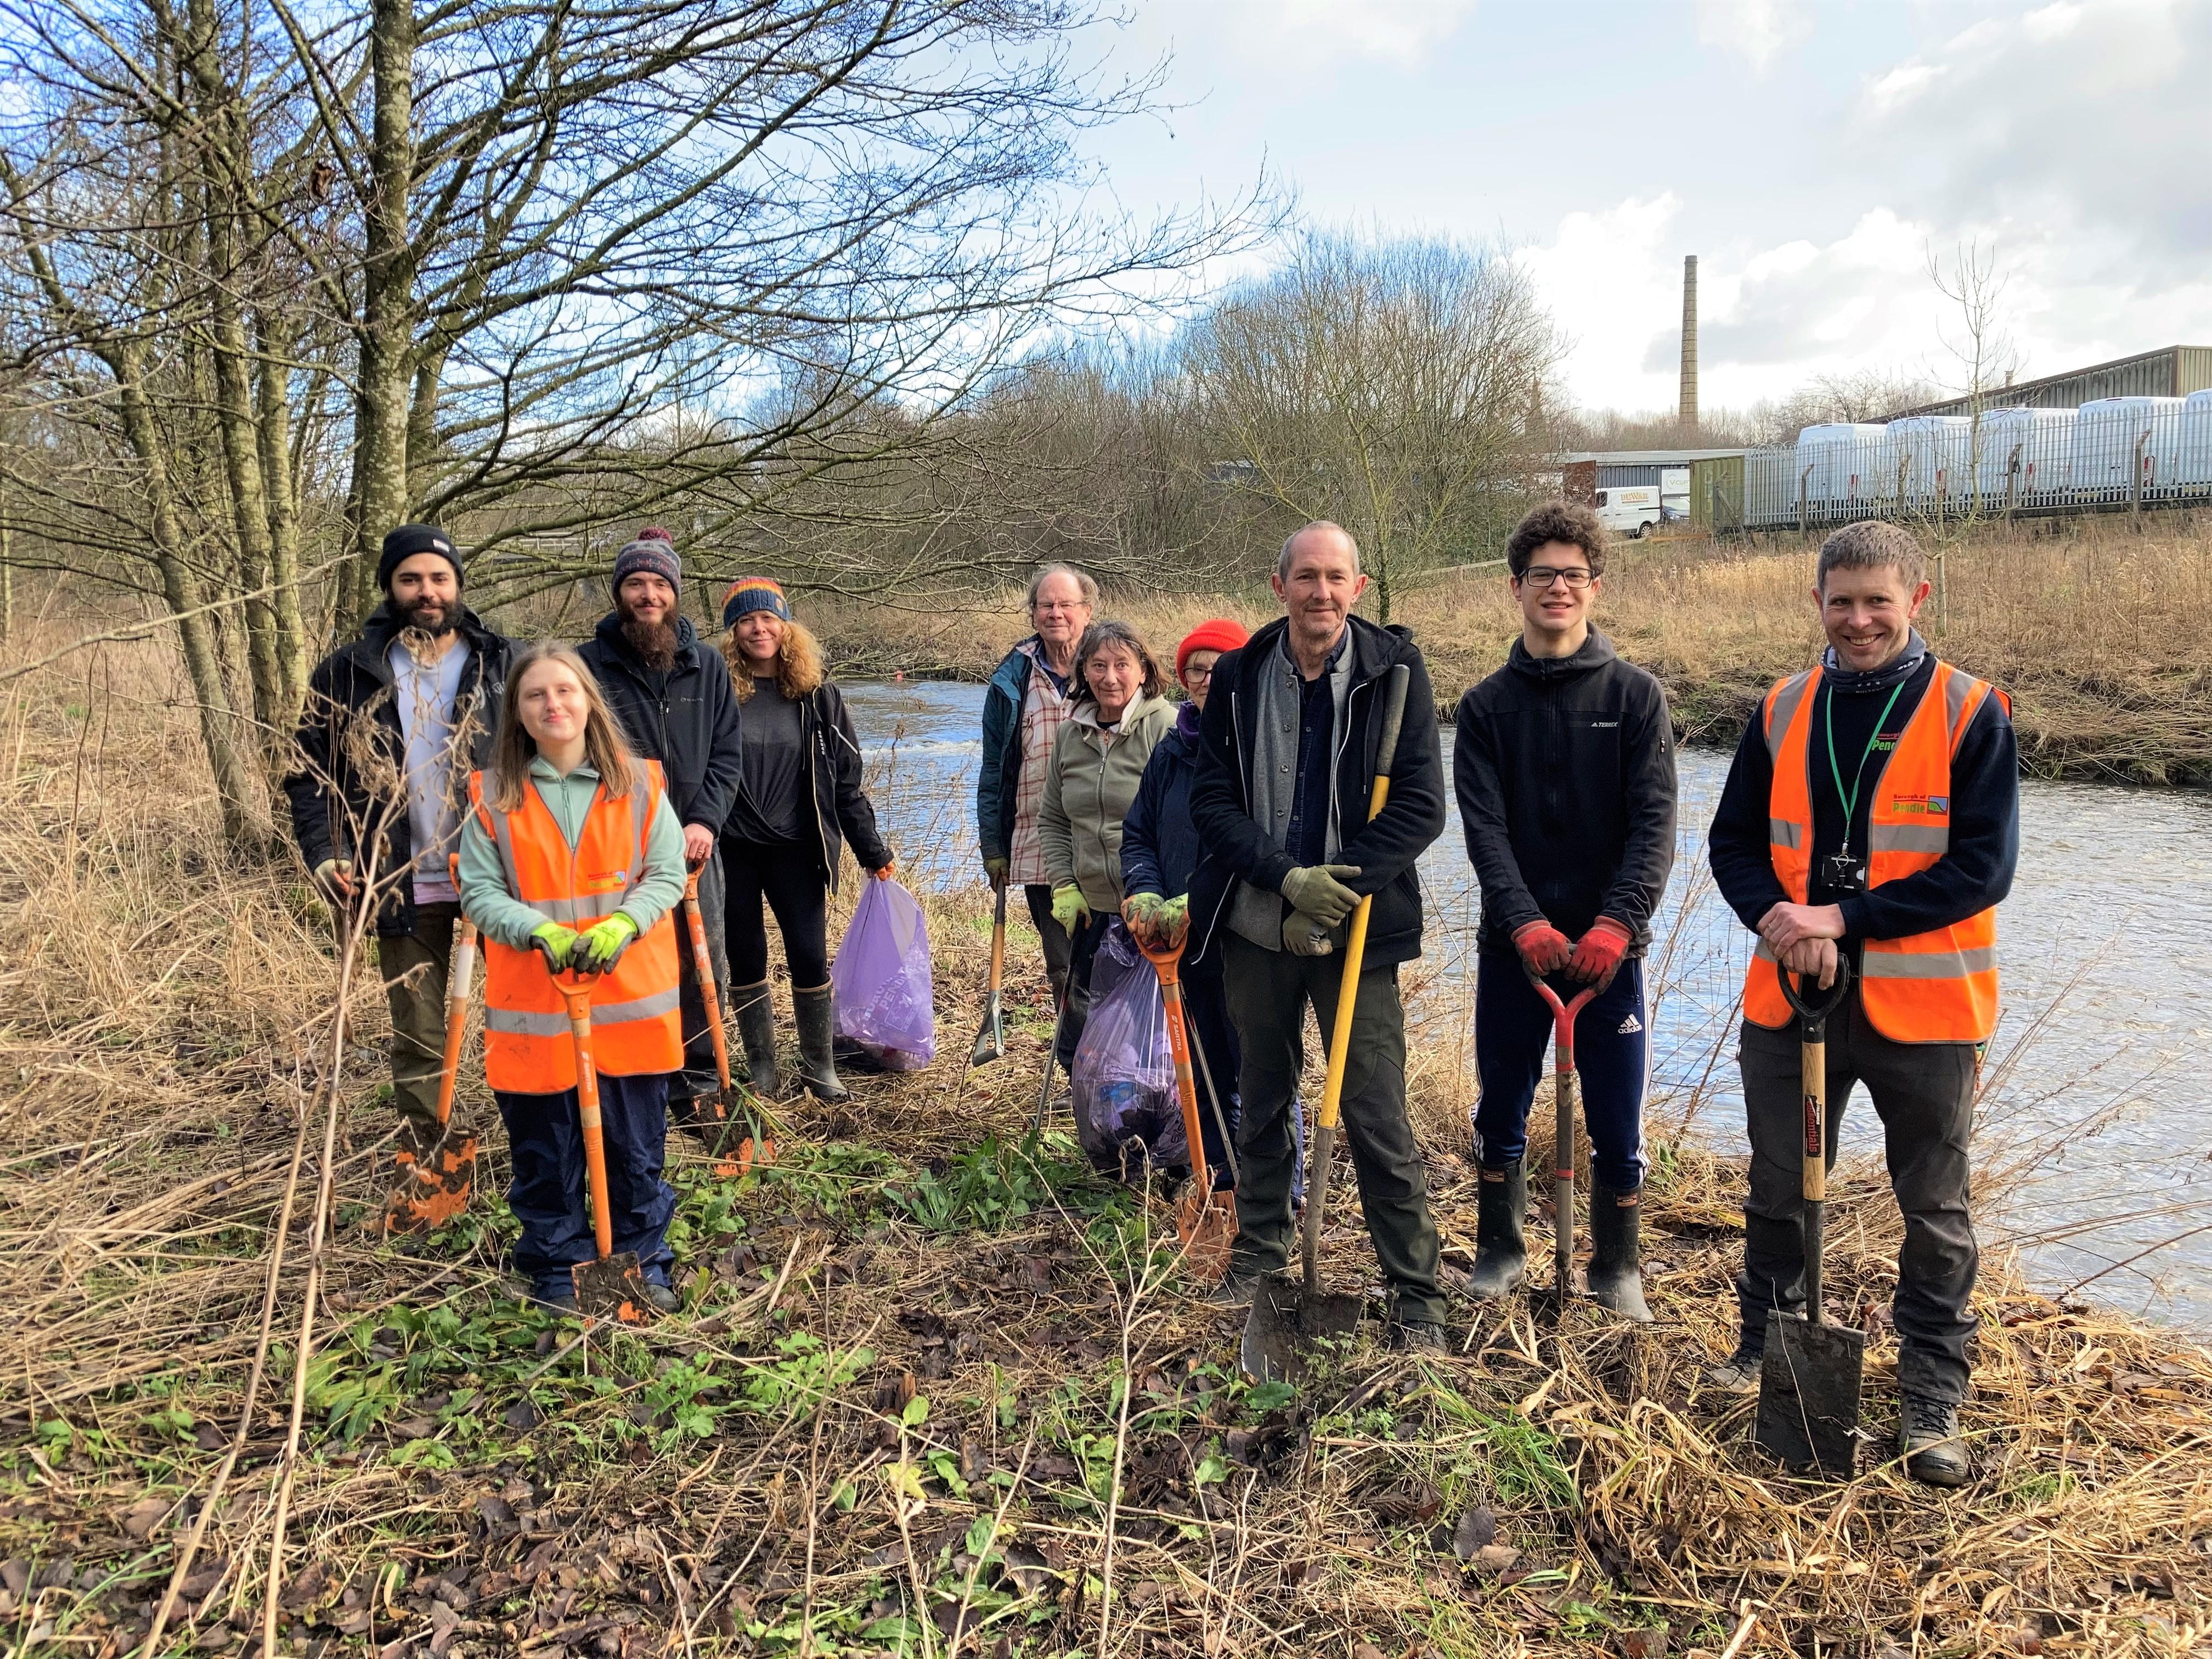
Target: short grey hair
{"points": [[1283, 561], [1085, 584], [1869, 544]]}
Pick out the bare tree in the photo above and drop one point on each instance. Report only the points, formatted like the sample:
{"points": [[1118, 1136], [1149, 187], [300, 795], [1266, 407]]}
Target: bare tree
{"points": [[1393, 386], [1984, 354]]}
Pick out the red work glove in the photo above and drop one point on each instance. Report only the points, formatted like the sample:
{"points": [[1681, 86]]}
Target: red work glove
{"points": [[1598, 952], [1542, 946]]}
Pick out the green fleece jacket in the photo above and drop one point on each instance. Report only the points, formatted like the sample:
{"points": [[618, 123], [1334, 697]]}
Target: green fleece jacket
{"points": [[1092, 780], [499, 915]]}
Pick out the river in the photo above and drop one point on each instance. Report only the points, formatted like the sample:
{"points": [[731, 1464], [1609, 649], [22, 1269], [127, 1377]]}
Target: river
{"points": [[2098, 1088]]}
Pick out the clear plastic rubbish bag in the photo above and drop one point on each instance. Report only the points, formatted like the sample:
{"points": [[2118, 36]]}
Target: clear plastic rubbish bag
{"points": [[881, 978], [1126, 1112]]}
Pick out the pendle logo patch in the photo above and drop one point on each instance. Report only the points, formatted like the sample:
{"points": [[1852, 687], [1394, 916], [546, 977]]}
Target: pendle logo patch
{"points": [[1928, 806]]}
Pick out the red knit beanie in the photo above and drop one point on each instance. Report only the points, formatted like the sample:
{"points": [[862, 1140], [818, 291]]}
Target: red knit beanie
{"points": [[1220, 633]]}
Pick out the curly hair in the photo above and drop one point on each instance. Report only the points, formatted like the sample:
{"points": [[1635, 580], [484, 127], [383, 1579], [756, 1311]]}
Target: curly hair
{"points": [[798, 662], [1556, 522]]}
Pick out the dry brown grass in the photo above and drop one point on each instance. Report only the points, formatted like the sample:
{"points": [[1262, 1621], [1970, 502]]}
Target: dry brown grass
{"points": [[505, 1491], [2091, 625]]}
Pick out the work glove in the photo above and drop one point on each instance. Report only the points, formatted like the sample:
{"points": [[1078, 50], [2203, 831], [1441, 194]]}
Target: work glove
{"points": [[598, 944], [1598, 953], [1315, 891], [1140, 913], [333, 879], [1172, 926], [557, 942], [1542, 946], [1304, 936], [996, 870], [1067, 904]]}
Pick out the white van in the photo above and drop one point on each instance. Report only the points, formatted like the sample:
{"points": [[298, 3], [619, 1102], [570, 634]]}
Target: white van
{"points": [[1630, 509]]}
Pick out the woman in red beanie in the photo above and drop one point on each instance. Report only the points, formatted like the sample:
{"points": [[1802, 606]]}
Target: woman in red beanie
{"points": [[1159, 850]]}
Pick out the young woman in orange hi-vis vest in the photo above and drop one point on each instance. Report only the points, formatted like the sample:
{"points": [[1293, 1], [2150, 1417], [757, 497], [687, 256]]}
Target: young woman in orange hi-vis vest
{"points": [[572, 855], [1873, 812]]}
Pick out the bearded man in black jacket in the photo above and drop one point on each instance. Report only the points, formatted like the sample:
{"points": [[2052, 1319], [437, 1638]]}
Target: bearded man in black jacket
{"points": [[1287, 749], [1564, 761]]}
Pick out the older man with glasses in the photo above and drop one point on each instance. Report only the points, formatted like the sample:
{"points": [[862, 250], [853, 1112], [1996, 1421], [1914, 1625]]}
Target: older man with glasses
{"points": [[1563, 762], [1030, 695]]}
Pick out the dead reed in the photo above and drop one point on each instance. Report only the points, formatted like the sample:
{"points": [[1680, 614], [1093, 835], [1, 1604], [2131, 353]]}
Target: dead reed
{"points": [[938, 1391]]}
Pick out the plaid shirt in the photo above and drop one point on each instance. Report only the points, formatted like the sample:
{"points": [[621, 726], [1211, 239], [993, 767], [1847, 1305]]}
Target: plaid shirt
{"points": [[1045, 709]]}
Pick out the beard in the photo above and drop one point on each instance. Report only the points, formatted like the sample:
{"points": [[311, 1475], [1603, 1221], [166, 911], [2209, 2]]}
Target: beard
{"points": [[653, 641], [433, 618]]}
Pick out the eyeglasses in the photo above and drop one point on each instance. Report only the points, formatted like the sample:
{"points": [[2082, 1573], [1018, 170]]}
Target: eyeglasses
{"points": [[1195, 672], [1540, 576], [1052, 607]]}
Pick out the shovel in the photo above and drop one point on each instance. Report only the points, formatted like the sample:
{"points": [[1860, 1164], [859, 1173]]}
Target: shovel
{"points": [[1283, 1314], [1809, 1382], [758, 1147], [437, 1184], [1204, 1221], [612, 1287], [991, 1039], [1563, 1158]]}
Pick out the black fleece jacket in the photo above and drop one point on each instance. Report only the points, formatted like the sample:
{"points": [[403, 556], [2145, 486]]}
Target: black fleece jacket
{"points": [[350, 746], [1975, 873], [686, 718], [1235, 847], [1565, 768]]}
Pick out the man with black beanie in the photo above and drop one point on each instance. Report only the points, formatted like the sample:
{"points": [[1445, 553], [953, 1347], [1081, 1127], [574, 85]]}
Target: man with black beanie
{"points": [[673, 694], [410, 703]]}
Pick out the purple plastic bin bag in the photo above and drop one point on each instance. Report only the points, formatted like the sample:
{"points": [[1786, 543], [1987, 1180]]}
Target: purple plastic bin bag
{"points": [[1123, 1078], [881, 977]]}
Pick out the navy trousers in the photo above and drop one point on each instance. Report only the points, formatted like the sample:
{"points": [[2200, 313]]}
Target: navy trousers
{"points": [[1513, 1049], [545, 1143]]}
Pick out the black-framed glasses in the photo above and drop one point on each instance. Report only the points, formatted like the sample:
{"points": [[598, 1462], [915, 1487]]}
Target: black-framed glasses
{"points": [[1540, 576]]}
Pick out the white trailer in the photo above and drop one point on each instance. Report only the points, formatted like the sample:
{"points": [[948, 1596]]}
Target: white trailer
{"points": [[2024, 456], [2127, 449]]}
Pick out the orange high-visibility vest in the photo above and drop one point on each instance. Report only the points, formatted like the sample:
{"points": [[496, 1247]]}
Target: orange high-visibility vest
{"points": [[636, 1025], [1936, 986]]}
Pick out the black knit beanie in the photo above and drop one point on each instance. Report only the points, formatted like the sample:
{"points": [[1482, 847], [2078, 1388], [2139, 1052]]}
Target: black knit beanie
{"points": [[409, 540]]}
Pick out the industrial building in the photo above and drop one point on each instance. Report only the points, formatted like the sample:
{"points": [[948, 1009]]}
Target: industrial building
{"points": [[2169, 372]]}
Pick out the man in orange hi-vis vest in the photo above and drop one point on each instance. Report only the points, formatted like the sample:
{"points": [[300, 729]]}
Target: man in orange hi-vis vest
{"points": [[1873, 811]]}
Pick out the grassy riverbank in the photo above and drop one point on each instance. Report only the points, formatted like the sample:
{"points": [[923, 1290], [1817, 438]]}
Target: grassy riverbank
{"points": [[2091, 625], [938, 1389]]}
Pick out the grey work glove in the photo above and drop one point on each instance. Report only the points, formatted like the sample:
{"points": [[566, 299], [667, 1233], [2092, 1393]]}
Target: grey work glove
{"points": [[333, 879], [1304, 936], [1315, 891]]}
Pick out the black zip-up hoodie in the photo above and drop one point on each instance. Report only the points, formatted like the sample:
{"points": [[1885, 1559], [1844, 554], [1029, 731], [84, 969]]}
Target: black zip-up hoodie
{"points": [[1565, 770], [686, 718], [1235, 847], [354, 685]]}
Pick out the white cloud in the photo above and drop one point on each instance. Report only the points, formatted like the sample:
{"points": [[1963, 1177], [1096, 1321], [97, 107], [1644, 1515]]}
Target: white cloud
{"points": [[1614, 285], [1757, 31], [1392, 31]]}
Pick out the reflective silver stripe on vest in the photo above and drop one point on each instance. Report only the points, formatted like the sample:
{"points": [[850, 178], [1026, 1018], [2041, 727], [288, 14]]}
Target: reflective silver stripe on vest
{"points": [[1929, 965], [514, 1021], [1910, 838], [1763, 951], [1783, 833], [1785, 710], [620, 1013], [570, 912]]}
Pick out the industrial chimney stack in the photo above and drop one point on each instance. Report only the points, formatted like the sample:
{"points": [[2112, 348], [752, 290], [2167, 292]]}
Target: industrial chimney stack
{"points": [[1688, 409]]}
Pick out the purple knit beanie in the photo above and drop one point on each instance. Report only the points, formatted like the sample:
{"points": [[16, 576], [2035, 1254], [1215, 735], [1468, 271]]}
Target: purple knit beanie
{"points": [[652, 550]]}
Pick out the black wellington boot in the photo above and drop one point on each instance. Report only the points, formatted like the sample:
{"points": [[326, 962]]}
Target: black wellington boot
{"points": [[1616, 1281], [756, 1035], [1501, 1252], [817, 1064]]}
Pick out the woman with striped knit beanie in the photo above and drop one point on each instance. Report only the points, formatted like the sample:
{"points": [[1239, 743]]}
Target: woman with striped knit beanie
{"points": [[798, 802]]}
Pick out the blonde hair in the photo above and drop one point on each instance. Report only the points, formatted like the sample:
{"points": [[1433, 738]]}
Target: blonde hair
{"points": [[797, 662], [512, 747]]}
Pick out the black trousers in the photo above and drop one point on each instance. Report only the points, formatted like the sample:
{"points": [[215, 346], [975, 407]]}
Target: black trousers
{"points": [[787, 877], [1923, 1093], [1268, 991], [1066, 964]]}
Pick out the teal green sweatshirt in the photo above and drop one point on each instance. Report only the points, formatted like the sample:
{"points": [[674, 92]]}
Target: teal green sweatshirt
{"points": [[502, 916]]}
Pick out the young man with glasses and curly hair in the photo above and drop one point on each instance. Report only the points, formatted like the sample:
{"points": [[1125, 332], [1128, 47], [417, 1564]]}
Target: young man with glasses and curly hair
{"points": [[1564, 762]]}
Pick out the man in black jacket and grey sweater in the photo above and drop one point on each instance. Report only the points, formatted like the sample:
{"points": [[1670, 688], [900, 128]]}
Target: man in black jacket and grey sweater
{"points": [[673, 697], [1287, 748], [1564, 761]]}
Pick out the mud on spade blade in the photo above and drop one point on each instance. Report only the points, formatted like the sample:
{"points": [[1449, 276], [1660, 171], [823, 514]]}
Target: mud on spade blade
{"points": [[1285, 1321]]}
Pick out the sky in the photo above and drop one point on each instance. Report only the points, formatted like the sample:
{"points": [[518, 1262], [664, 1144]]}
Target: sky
{"points": [[1810, 152]]}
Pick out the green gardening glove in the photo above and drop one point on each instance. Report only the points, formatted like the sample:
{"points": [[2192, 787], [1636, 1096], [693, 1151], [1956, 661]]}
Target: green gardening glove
{"points": [[1172, 925], [601, 943], [1316, 890], [557, 942], [1067, 904], [1140, 915]]}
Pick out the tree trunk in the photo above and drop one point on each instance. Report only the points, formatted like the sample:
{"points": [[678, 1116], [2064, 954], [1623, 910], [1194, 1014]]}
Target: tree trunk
{"points": [[272, 417], [379, 493]]}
